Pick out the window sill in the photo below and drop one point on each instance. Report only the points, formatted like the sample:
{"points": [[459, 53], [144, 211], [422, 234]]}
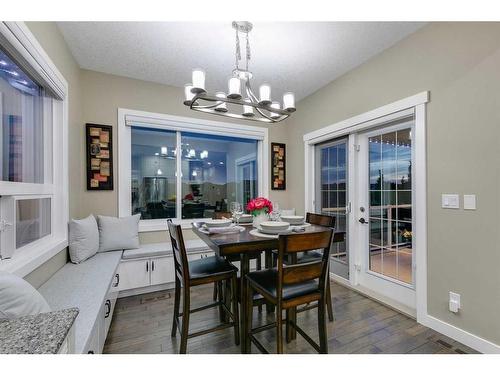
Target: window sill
{"points": [[27, 260], [158, 225]]}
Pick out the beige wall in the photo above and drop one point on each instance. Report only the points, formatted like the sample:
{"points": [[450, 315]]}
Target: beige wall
{"points": [[459, 64]]}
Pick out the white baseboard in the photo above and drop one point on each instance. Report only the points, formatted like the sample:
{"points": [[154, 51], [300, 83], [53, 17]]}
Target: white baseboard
{"points": [[460, 335]]}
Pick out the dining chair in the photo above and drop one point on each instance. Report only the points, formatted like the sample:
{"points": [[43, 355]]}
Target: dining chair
{"points": [[309, 256], [202, 271], [290, 285], [235, 258]]}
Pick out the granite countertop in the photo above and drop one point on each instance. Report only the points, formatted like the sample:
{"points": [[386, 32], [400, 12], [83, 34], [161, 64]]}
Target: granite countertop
{"points": [[36, 334]]}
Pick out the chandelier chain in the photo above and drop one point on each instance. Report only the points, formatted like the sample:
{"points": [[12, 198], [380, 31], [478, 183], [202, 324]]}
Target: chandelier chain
{"points": [[238, 50], [249, 55]]}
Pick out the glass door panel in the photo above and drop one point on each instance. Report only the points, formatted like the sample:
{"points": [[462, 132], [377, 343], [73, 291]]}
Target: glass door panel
{"points": [[331, 196], [390, 212]]}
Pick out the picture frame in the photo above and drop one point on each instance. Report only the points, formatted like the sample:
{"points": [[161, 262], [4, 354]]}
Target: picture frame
{"points": [[278, 166], [99, 151]]}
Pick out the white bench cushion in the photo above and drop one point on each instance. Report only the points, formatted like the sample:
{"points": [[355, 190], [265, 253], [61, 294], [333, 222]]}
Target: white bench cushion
{"points": [[161, 249], [85, 286]]}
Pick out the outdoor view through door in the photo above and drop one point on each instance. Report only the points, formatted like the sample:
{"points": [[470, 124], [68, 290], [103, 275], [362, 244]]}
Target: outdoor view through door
{"points": [[390, 216], [332, 196]]}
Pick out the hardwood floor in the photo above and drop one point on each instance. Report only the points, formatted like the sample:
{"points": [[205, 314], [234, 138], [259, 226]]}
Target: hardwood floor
{"points": [[142, 324]]}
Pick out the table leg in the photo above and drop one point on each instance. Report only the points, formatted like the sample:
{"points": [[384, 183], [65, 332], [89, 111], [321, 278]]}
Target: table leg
{"points": [[244, 269], [293, 311], [269, 264]]}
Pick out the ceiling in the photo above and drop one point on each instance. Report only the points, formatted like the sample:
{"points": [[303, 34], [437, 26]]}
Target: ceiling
{"points": [[292, 56]]}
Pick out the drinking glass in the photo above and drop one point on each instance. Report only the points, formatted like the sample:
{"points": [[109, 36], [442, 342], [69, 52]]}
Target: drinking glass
{"points": [[237, 211], [276, 211]]}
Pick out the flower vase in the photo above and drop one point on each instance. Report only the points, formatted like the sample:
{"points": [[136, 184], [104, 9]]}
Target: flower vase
{"points": [[259, 218]]}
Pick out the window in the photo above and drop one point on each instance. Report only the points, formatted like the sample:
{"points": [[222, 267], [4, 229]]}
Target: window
{"points": [[33, 173], [185, 169], [215, 170]]}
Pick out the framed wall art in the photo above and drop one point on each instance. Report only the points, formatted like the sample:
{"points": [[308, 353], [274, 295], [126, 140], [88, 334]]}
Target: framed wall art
{"points": [[278, 166], [99, 157]]}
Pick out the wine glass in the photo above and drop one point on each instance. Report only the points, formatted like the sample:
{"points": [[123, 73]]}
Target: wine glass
{"points": [[237, 211], [276, 211]]}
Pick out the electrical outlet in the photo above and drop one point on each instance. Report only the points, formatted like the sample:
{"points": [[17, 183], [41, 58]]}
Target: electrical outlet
{"points": [[454, 303]]}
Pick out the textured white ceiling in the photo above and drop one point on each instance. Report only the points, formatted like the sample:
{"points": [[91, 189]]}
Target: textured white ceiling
{"points": [[292, 56]]}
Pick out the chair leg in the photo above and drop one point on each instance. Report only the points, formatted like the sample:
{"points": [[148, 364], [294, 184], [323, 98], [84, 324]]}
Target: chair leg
{"points": [[222, 316], [249, 318], [177, 299], [186, 306], [259, 267], [215, 292], [279, 329], [236, 313], [329, 303], [288, 334], [323, 343]]}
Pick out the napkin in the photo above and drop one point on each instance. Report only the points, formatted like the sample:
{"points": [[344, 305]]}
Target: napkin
{"points": [[230, 229]]}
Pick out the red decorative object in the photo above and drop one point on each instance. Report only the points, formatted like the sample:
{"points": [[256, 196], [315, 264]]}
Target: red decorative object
{"points": [[259, 205]]}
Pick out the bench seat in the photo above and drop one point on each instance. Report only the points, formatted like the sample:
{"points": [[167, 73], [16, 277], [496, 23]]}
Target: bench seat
{"points": [[162, 249], [85, 286]]}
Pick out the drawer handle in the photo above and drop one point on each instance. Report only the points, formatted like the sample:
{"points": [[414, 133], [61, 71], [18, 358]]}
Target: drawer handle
{"points": [[117, 276], [108, 305], [152, 265], [147, 266]]}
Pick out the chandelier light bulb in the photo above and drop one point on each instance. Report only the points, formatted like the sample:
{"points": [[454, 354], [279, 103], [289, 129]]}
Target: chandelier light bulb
{"points": [[198, 81], [234, 88], [248, 109], [265, 94], [221, 107], [275, 105], [289, 101], [188, 94]]}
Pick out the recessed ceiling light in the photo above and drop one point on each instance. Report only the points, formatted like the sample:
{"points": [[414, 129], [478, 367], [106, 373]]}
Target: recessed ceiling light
{"points": [[157, 154]]}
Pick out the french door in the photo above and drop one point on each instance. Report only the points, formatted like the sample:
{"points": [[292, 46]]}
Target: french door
{"points": [[385, 212], [365, 180]]}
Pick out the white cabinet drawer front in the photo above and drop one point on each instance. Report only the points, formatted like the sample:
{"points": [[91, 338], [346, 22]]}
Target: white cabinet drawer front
{"points": [[134, 274], [162, 270]]}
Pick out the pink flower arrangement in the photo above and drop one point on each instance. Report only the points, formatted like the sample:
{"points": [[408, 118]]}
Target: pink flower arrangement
{"points": [[259, 205]]}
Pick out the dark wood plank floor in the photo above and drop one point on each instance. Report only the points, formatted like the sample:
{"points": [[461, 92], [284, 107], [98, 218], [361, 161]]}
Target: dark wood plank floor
{"points": [[141, 324]]}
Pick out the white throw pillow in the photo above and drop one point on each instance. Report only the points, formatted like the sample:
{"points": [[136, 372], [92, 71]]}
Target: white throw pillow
{"points": [[18, 298], [83, 239], [118, 233]]}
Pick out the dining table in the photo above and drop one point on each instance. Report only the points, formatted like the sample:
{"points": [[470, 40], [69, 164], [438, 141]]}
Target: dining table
{"points": [[243, 244]]}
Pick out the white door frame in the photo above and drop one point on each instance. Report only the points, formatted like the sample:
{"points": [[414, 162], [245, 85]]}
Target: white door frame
{"points": [[365, 121]]}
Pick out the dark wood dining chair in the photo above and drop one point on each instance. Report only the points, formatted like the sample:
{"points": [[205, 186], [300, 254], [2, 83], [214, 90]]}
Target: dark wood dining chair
{"points": [[310, 256], [290, 285], [235, 258], [202, 271]]}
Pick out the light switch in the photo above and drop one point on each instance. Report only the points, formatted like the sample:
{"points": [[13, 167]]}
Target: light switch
{"points": [[469, 202], [450, 201]]}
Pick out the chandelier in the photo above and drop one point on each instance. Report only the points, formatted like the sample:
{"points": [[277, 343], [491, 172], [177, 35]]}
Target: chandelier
{"points": [[240, 101]]}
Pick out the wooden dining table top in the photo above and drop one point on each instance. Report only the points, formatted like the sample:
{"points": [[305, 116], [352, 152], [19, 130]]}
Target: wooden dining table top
{"points": [[244, 241]]}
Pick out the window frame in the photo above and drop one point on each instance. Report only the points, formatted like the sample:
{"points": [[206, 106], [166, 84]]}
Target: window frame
{"points": [[21, 44], [128, 118]]}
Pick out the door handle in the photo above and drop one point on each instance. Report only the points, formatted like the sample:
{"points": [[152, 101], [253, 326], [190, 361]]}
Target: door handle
{"points": [[108, 305], [152, 265], [363, 221], [117, 279], [147, 266]]}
